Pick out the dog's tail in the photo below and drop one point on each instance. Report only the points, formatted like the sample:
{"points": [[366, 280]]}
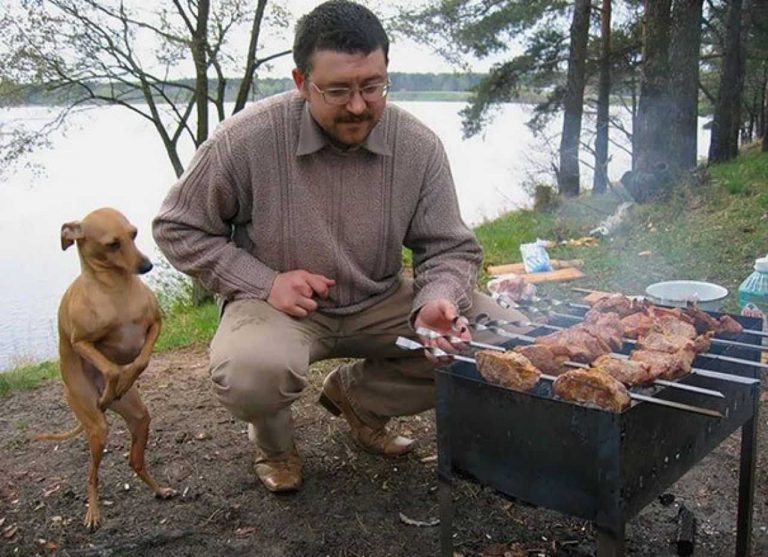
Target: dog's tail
{"points": [[58, 436]]}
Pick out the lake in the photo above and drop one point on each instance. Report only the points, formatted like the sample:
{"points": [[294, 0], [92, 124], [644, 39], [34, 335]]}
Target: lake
{"points": [[111, 157]]}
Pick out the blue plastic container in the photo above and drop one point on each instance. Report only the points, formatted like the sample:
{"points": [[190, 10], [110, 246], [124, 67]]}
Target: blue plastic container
{"points": [[753, 292]]}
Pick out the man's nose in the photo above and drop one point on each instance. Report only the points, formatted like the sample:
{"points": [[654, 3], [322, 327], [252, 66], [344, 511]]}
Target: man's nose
{"points": [[356, 103]]}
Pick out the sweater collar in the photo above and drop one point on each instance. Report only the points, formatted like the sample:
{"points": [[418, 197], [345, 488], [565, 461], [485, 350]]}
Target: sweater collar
{"points": [[312, 138]]}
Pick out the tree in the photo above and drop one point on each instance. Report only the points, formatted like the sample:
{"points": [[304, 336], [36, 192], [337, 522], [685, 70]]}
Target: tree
{"points": [[86, 53], [724, 143], [602, 126], [651, 132], [685, 49], [573, 101]]}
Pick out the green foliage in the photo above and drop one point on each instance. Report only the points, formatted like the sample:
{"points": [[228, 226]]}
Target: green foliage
{"points": [[188, 324], [27, 377]]}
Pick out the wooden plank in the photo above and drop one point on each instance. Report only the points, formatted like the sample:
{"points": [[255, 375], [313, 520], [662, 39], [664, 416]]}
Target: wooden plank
{"points": [[569, 273], [519, 268]]}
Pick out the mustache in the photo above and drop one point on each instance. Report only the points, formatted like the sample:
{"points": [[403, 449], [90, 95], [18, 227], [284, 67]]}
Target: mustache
{"points": [[354, 118]]}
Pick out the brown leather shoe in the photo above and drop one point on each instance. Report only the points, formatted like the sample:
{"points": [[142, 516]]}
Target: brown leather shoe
{"points": [[378, 441], [279, 473]]}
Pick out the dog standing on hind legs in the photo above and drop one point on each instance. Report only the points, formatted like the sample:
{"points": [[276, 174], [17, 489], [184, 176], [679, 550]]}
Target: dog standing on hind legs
{"points": [[109, 321]]}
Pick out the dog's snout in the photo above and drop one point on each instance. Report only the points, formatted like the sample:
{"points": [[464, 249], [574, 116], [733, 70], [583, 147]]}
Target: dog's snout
{"points": [[145, 266]]}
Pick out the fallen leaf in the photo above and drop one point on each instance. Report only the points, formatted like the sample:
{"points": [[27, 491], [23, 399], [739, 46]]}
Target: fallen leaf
{"points": [[245, 532]]}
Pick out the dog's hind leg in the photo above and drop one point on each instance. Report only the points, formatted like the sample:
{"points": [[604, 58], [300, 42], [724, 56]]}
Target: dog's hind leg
{"points": [[136, 417]]}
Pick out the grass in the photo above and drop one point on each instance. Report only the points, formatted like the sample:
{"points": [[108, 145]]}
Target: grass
{"points": [[712, 228]]}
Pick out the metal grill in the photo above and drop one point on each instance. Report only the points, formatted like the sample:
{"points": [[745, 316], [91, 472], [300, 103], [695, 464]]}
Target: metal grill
{"points": [[596, 465]]}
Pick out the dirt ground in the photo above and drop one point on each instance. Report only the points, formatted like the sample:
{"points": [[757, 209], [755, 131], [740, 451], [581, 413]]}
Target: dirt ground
{"points": [[352, 504]]}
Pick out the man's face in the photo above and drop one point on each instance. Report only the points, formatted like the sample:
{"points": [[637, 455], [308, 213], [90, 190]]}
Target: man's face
{"points": [[348, 123]]}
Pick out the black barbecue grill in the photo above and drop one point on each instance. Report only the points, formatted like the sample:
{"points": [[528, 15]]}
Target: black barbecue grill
{"points": [[592, 464]]}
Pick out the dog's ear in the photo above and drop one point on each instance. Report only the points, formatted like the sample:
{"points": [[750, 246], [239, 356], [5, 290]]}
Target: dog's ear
{"points": [[70, 231]]}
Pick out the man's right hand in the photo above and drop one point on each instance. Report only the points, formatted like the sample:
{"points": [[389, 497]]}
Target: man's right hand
{"points": [[292, 292]]}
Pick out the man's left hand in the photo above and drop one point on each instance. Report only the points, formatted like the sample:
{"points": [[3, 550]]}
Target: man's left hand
{"points": [[443, 317]]}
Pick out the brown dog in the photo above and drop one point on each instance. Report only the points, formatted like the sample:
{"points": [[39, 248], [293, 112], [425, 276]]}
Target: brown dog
{"points": [[109, 321]]}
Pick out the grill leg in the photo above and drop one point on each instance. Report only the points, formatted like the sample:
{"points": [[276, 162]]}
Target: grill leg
{"points": [[610, 543], [445, 489], [746, 484]]}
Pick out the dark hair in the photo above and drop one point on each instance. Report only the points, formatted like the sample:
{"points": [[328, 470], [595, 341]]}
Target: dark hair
{"points": [[341, 26]]}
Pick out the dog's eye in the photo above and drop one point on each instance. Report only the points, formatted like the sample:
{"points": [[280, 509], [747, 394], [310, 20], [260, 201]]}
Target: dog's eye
{"points": [[133, 235], [114, 246]]}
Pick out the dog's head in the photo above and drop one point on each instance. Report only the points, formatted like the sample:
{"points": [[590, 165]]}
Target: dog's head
{"points": [[105, 239]]}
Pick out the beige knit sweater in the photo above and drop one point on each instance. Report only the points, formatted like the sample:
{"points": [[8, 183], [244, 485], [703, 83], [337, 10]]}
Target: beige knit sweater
{"points": [[267, 194]]}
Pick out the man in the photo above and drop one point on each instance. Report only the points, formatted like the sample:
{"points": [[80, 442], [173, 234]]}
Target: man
{"points": [[295, 213]]}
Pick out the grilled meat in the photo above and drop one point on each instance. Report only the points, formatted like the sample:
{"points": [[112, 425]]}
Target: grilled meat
{"points": [[665, 365], [580, 345], [592, 386], [607, 326], [665, 343], [705, 322], [672, 325], [548, 358], [627, 372], [618, 303], [637, 325], [507, 369]]}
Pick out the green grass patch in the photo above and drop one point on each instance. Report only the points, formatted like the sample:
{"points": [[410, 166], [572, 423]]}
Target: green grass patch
{"points": [[187, 325], [27, 377]]}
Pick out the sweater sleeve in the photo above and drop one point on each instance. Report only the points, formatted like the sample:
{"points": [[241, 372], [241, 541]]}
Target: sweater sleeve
{"points": [[446, 255], [194, 226]]}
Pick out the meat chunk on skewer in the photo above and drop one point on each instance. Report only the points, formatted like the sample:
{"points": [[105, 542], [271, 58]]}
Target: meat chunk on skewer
{"points": [[628, 372], [592, 386], [705, 322], [666, 343], [672, 325], [637, 325], [665, 365], [549, 359], [580, 345], [607, 326], [617, 303], [507, 369]]}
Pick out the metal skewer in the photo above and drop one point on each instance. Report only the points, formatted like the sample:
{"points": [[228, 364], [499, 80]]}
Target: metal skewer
{"points": [[409, 344], [696, 371], [428, 333]]}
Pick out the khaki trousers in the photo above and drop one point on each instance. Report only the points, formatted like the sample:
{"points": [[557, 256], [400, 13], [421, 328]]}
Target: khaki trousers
{"points": [[260, 358]]}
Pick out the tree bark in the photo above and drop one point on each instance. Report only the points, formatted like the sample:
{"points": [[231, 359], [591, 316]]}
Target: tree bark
{"points": [[573, 102], [651, 137], [765, 123], [600, 179], [199, 56], [724, 144], [685, 49]]}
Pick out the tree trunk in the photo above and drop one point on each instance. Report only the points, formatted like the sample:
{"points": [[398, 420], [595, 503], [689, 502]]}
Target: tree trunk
{"points": [[651, 136], [724, 145], [573, 103], [684, 84], [199, 55], [765, 120], [600, 179], [250, 62]]}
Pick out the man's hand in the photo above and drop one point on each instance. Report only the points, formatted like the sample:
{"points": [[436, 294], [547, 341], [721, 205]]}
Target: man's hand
{"points": [[292, 292], [443, 317]]}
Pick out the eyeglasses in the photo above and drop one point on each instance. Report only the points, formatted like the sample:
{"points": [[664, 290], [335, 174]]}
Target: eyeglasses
{"points": [[339, 96]]}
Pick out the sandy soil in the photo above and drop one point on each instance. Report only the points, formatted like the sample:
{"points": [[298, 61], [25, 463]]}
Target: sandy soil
{"points": [[351, 505]]}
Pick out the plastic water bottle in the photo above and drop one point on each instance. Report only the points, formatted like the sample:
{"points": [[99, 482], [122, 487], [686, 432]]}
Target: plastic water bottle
{"points": [[753, 292]]}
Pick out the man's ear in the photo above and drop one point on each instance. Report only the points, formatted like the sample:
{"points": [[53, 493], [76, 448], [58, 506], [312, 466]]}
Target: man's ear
{"points": [[70, 231], [300, 81]]}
